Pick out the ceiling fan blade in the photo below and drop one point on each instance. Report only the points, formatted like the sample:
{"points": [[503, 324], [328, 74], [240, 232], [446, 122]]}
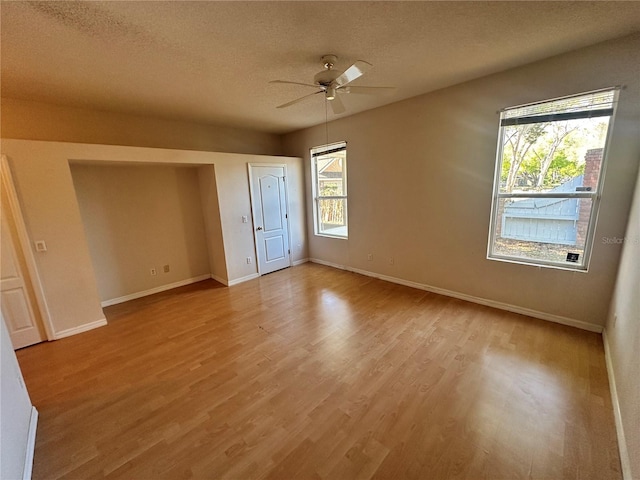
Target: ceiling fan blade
{"points": [[337, 106], [368, 90], [353, 72], [294, 83], [293, 102]]}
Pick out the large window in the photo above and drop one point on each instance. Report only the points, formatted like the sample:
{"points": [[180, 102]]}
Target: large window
{"points": [[329, 171], [548, 179]]}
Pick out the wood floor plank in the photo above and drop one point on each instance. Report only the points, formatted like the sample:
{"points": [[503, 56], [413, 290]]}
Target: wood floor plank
{"points": [[317, 373]]}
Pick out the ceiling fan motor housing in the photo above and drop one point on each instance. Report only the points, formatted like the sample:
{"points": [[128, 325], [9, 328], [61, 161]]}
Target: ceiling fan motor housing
{"points": [[325, 77]]}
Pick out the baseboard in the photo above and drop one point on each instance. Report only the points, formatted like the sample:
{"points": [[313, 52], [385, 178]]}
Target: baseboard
{"points": [[151, 291], [470, 298], [82, 328], [329, 264], [236, 281], [625, 461], [220, 280], [31, 445]]}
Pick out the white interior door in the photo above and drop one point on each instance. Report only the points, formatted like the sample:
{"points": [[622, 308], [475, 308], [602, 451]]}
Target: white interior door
{"points": [[269, 202], [16, 296]]}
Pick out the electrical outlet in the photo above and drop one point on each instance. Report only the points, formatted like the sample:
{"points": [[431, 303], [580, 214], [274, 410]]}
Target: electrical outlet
{"points": [[370, 257], [153, 271], [166, 269], [245, 219], [249, 260]]}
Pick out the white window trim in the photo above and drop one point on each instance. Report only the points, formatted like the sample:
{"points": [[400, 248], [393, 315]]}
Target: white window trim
{"points": [[315, 152], [595, 196]]}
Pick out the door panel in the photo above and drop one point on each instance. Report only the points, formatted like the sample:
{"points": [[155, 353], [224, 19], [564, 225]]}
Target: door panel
{"points": [[274, 248], [8, 267], [16, 310], [271, 207], [269, 200]]}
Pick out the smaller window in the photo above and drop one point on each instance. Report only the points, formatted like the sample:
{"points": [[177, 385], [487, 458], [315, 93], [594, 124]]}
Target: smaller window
{"points": [[329, 172]]}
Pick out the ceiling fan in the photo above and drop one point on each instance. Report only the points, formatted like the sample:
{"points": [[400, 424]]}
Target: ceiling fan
{"points": [[332, 83]]}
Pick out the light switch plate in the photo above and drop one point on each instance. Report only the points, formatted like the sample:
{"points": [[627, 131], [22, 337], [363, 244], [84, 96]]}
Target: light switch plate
{"points": [[41, 246]]}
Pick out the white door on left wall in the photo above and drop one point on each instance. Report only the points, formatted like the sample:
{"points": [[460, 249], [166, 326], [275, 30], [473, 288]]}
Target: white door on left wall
{"points": [[16, 295]]}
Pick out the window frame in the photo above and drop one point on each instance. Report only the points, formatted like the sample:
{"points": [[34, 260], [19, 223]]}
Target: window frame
{"points": [[316, 152], [595, 195]]}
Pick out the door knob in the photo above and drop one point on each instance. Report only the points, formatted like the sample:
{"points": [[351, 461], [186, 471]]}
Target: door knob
{"points": [[259, 228]]}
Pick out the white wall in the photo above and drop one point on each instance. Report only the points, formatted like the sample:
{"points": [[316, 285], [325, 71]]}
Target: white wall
{"points": [[213, 224], [235, 202], [141, 217], [27, 120], [45, 189], [420, 176], [15, 411], [622, 335]]}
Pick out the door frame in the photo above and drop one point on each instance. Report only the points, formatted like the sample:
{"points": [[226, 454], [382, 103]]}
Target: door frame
{"points": [[250, 167], [24, 244]]}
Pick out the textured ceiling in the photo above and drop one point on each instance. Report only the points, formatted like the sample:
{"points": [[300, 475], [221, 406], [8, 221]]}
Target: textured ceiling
{"points": [[211, 62]]}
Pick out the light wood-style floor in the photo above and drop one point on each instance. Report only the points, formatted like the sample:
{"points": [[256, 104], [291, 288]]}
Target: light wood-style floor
{"points": [[313, 372]]}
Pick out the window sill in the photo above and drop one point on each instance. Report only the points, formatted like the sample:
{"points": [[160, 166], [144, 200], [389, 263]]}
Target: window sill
{"points": [[532, 263], [327, 235]]}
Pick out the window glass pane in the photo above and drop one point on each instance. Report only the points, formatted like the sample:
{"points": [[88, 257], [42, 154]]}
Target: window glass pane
{"points": [[330, 174], [332, 216], [562, 156], [542, 229]]}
